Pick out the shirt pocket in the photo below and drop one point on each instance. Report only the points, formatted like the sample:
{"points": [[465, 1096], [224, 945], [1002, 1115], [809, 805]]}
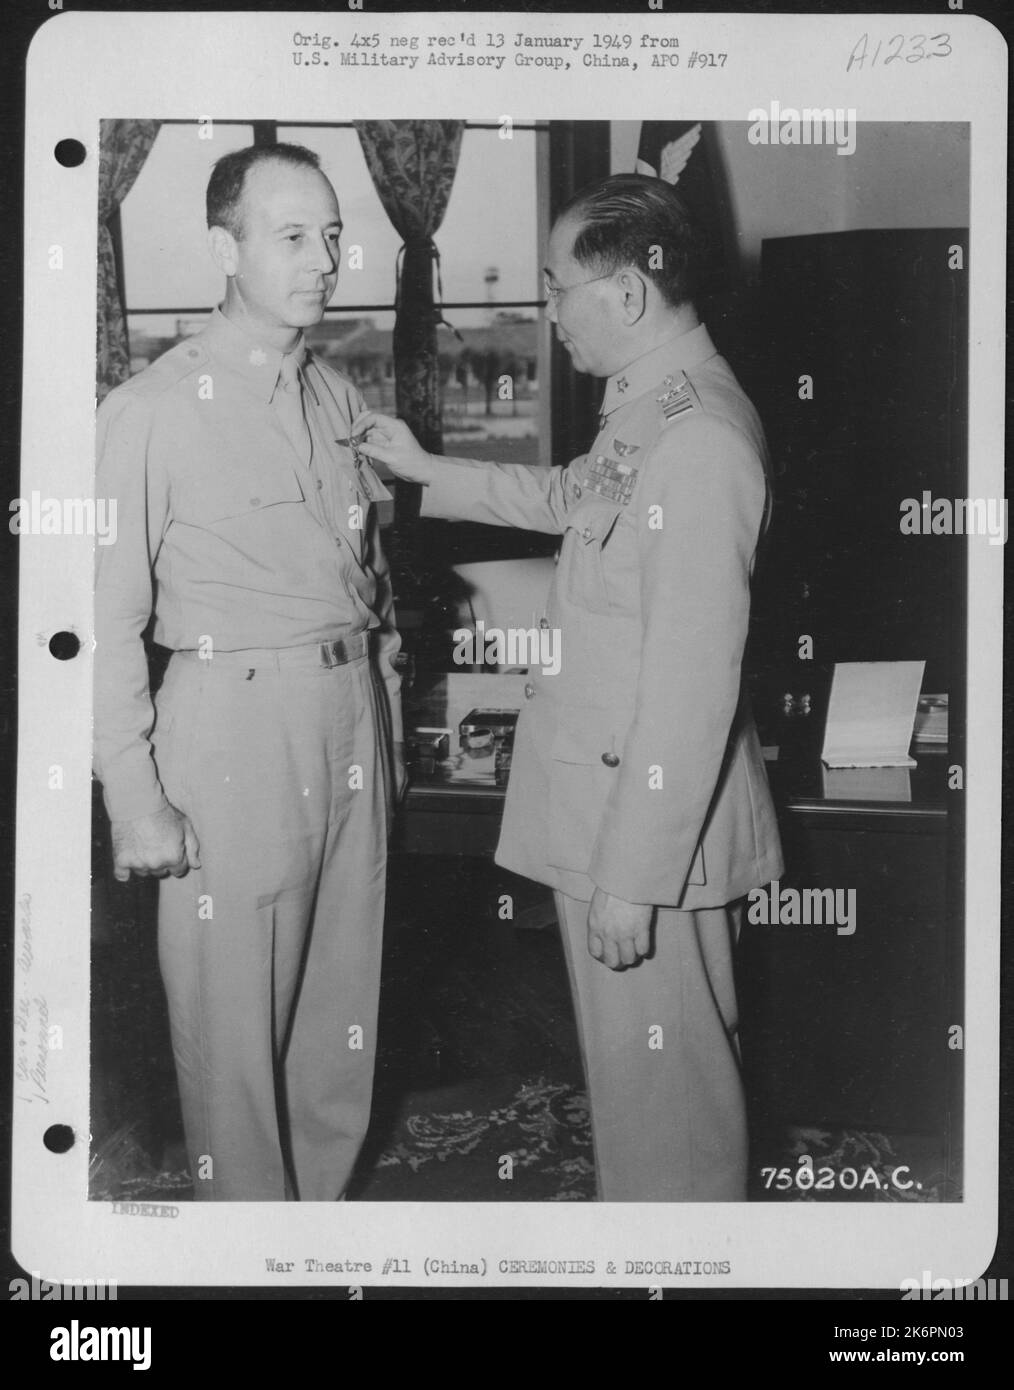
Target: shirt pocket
{"points": [[589, 527], [212, 497]]}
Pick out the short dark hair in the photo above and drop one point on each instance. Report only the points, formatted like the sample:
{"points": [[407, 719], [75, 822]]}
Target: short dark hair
{"points": [[632, 219], [228, 179]]}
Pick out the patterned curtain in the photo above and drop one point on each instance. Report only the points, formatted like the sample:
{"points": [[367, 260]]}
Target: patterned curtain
{"points": [[412, 165], [123, 148]]}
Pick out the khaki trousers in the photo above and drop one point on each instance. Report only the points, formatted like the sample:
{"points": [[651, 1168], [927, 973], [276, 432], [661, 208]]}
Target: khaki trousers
{"points": [[270, 952], [661, 1059]]}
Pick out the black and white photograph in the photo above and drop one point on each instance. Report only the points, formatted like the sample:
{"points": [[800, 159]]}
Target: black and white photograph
{"points": [[532, 697]]}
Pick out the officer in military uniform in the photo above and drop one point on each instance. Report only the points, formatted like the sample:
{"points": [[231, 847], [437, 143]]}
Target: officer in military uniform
{"points": [[257, 787], [637, 787]]}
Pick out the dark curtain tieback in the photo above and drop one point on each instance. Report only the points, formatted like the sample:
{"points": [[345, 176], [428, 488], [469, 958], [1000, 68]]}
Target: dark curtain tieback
{"points": [[414, 249]]}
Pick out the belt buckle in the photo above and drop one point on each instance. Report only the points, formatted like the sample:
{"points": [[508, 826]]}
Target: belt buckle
{"points": [[333, 653]]}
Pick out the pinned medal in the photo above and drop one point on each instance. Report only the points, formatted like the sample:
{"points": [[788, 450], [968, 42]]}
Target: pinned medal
{"points": [[369, 484], [353, 443], [611, 480], [625, 450], [679, 397]]}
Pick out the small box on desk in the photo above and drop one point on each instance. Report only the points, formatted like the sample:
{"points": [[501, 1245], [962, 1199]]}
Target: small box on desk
{"points": [[490, 731], [447, 699], [498, 724], [931, 721], [482, 709]]}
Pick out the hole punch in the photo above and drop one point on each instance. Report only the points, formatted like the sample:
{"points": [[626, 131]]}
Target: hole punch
{"points": [[70, 153], [64, 645], [59, 1139]]}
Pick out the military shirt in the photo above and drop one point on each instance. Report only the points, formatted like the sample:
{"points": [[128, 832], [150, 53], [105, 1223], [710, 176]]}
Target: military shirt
{"points": [[235, 540], [636, 768]]}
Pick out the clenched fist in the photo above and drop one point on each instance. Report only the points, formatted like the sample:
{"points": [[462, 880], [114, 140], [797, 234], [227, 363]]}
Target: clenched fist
{"points": [[155, 845], [619, 933]]}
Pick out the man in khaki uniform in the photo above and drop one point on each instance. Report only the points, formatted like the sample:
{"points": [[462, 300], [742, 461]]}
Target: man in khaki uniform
{"points": [[637, 787], [260, 796]]}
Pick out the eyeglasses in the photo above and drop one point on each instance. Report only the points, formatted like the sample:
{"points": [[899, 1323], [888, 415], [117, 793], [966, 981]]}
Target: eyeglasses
{"points": [[553, 292]]}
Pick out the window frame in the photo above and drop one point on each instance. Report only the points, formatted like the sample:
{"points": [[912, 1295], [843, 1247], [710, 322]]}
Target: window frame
{"points": [[568, 154], [266, 133]]}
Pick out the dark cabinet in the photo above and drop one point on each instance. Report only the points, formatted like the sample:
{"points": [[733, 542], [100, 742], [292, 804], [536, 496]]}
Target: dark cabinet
{"points": [[864, 401], [854, 1029]]}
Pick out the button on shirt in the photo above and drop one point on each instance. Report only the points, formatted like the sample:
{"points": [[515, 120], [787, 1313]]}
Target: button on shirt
{"points": [[226, 530]]}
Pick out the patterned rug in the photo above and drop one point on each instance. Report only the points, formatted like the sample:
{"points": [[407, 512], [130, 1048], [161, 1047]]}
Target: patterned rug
{"points": [[507, 1140], [504, 1140], [527, 1142], [121, 1170], [810, 1164]]}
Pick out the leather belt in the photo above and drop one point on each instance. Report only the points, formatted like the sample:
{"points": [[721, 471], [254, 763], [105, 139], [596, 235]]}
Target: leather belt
{"points": [[339, 652]]}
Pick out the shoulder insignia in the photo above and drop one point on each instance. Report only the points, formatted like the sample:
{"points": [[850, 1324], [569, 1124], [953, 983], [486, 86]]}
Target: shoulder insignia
{"points": [[173, 366], [169, 369], [678, 397], [184, 357]]}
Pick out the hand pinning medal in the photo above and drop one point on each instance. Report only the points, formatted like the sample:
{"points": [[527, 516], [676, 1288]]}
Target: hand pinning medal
{"points": [[354, 442], [369, 484]]}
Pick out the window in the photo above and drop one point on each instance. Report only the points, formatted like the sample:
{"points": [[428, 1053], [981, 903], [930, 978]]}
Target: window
{"points": [[494, 352]]}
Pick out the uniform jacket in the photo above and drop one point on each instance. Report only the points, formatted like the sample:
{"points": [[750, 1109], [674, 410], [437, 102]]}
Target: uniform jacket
{"points": [[637, 768]]}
